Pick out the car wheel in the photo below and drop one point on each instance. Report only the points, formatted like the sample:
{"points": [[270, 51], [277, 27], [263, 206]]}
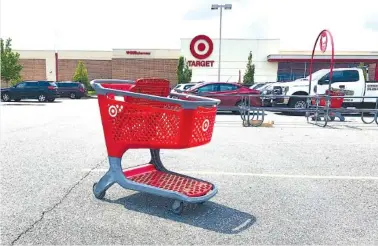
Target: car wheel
{"points": [[297, 103], [72, 95], [5, 97], [42, 98]]}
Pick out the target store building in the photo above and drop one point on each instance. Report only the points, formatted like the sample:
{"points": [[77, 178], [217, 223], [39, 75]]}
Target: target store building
{"points": [[202, 55]]}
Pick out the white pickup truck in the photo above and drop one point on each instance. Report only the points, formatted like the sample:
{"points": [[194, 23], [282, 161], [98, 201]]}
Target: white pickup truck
{"points": [[350, 79]]}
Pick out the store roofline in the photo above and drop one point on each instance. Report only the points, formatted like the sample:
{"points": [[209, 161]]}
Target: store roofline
{"points": [[60, 50], [238, 38], [81, 50], [143, 49], [325, 58], [295, 52]]}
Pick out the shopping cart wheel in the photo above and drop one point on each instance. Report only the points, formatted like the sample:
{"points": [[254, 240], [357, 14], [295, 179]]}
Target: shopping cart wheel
{"points": [[99, 196], [178, 207]]}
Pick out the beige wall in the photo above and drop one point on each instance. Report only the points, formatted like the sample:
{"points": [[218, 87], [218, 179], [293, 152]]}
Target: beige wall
{"points": [[147, 53], [85, 55], [49, 56], [309, 52]]}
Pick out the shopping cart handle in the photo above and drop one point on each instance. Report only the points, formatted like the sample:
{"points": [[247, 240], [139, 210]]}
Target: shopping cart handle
{"points": [[201, 101]]}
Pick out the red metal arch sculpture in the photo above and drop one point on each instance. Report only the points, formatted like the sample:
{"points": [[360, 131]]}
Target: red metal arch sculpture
{"points": [[323, 38]]}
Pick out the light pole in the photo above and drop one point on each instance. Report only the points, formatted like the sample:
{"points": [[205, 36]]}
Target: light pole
{"points": [[216, 7]]}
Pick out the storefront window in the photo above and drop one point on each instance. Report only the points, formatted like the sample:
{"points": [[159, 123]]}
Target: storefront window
{"points": [[289, 71]]}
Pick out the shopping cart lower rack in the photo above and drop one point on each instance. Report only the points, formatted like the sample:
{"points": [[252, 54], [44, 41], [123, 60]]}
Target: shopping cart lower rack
{"points": [[142, 114]]}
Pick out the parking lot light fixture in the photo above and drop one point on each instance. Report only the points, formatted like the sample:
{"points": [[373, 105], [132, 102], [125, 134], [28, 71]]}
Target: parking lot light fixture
{"points": [[215, 6], [228, 6], [221, 7]]}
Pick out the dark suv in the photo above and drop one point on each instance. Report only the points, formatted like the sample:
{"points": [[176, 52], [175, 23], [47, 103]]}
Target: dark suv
{"points": [[71, 89], [41, 90]]}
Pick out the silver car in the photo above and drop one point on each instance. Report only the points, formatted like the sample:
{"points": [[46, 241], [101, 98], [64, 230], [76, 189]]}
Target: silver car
{"points": [[183, 87]]}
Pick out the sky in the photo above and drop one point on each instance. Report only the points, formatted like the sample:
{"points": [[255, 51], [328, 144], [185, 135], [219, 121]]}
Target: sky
{"points": [[159, 24]]}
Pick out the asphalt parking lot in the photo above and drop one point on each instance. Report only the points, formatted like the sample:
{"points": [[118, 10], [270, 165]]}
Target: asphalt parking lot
{"points": [[294, 183]]}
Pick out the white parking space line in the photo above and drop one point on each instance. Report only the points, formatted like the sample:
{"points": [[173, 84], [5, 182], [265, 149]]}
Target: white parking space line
{"points": [[266, 175]]}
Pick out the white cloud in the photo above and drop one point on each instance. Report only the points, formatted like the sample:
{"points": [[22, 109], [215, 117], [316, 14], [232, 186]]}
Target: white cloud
{"points": [[95, 24]]}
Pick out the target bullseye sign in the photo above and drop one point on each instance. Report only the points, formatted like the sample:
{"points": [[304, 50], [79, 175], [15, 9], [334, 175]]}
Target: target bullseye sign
{"points": [[323, 42], [201, 48]]}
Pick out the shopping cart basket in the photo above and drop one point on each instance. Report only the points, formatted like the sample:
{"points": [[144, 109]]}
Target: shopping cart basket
{"points": [[142, 114], [335, 102]]}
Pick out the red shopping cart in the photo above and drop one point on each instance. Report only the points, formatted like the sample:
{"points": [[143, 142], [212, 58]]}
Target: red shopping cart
{"points": [[336, 101], [142, 114]]}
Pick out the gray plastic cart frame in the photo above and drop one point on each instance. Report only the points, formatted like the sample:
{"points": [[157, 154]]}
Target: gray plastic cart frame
{"points": [[115, 173]]}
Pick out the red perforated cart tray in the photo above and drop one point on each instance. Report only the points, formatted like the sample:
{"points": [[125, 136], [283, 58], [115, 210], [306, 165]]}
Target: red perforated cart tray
{"points": [[147, 174]]}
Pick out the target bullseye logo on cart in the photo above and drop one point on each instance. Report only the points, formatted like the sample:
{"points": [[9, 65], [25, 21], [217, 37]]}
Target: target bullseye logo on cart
{"points": [[205, 125], [113, 111], [201, 48]]}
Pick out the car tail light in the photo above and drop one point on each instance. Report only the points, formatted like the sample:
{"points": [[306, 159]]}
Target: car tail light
{"points": [[81, 89], [51, 87]]}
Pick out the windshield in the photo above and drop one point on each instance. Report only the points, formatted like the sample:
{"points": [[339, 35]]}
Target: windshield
{"points": [[187, 87], [258, 86], [316, 75], [195, 85]]}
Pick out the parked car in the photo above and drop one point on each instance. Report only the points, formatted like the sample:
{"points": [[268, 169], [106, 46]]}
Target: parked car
{"points": [[351, 80], [41, 90], [257, 86], [73, 90], [230, 94], [266, 92], [183, 87]]}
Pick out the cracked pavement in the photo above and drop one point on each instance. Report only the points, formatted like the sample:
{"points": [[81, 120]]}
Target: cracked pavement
{"points": [[52, 153]]}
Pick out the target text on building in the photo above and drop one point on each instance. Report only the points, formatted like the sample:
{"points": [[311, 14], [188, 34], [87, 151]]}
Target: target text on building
{"points": [[200, 63]]}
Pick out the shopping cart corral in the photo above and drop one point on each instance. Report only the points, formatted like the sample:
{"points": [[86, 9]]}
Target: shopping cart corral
{"points": [[319, 110], [141, 114]]}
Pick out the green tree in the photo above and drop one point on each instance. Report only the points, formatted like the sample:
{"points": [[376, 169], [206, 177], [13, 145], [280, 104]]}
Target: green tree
{"points": [[10, 66], [249, 75], [363, 67], [184, 74], [81, 75]]}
